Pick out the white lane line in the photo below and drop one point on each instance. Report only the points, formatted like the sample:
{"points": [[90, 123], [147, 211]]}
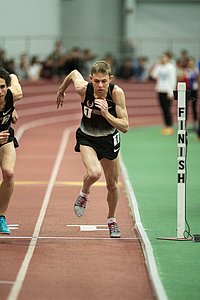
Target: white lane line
{"points": [[6, 282], [13, 226], [46, 121], [45, 109], [146, 244], [78, 238], [87, 227], [25, 264]]}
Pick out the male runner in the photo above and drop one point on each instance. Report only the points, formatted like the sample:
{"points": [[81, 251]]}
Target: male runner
{"points": [[10, 91], [104, 114]]}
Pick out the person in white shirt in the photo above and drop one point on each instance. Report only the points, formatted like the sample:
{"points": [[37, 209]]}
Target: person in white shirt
{"points": [[166, 78]]}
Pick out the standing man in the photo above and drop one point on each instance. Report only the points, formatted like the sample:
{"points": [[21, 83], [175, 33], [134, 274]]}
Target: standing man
{"points": [[166, 78], [97, 138], [10, 91]]}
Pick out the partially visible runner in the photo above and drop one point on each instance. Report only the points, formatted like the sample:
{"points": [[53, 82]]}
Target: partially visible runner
{"points": [[10, 91], [104, 114]]}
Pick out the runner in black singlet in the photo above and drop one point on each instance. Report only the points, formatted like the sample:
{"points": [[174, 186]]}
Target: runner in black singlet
{"points": [[10, 91], [104, 115]]}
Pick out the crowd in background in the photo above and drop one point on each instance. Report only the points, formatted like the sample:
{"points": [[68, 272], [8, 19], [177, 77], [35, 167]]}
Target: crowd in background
{"points": [[60, 62]]}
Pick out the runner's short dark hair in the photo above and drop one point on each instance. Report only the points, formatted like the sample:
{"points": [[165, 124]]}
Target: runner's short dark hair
{"points": [[102, 67], [6, 76]]}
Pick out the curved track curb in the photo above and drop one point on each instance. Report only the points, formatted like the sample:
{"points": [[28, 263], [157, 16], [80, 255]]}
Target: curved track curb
{"points": [[145, 242]]}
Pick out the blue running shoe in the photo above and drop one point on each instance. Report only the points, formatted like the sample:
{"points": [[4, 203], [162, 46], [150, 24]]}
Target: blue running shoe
{"points": [[3, 226]]}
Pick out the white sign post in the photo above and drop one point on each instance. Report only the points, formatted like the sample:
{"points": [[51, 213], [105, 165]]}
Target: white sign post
{"points": [[181, 144], [181, 170]]}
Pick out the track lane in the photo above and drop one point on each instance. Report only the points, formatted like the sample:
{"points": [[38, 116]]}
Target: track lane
{"points": [[88, 256], [32, 156]]}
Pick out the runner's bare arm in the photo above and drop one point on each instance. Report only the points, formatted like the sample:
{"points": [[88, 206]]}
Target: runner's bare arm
{"points": [[14, 116], [121, 121], [79, 82], [15, 88]]}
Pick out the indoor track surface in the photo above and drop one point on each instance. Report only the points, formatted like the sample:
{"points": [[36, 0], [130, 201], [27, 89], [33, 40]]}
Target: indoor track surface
{"points": [[52, 254]]}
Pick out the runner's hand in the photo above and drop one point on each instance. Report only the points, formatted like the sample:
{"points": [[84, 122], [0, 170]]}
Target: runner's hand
{"points": [[102, 105], [4, 135], [60, 98], [14, 116]]}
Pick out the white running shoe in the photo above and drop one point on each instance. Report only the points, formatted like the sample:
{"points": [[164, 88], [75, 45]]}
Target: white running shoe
{"points": [[114, 230], [80, 205]]}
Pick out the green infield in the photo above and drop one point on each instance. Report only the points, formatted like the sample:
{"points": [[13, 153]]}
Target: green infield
{"points": [[151, 163]]}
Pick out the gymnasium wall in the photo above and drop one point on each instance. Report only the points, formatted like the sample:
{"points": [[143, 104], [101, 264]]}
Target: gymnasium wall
{"points": [[92, 24], [29, 26], [159, 25], [34, 26], [167, 25]]}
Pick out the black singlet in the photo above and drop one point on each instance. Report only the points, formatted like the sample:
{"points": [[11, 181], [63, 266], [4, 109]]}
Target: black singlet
{"points": [[92, 122], [6, 114]]}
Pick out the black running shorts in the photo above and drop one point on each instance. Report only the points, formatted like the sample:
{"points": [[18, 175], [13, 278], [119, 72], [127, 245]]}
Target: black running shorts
{"points": [[105, 146]]}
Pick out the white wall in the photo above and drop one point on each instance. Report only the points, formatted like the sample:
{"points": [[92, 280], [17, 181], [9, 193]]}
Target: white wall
{"points": [[29, 25], [158, 26], [94, 24], [33, 26], [163, 26]]}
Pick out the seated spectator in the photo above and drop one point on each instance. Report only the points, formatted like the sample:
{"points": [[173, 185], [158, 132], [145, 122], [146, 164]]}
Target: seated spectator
{"points": [[88, 57], [192, 74], [125, 70], [57, 59], [10, 66], [22, 69], [74, 61], [35, 68], [111, 60], [183, 58], [2, 58], [140, 69]]}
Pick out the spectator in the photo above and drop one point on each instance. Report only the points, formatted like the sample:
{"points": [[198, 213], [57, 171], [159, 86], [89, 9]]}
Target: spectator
{"points": [[88, 57], [2, 58], [140, 69], [35, 68], [164, 72], [183, 59], [46, 71], [11, 66], [126, 70], [192, 75], [74, 60], [111, 60], [56, 60], [22, 69]]}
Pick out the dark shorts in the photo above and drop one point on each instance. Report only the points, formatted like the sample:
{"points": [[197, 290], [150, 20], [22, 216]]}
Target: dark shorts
{"points": [[12, 138], [105, 146]]}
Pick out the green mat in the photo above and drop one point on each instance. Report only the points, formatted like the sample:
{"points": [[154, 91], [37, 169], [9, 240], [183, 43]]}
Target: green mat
{"points": [[151, 162]]}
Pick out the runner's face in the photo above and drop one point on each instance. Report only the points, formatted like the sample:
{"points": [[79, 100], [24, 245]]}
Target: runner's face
{"points": [[100, 82], [3, 89]]}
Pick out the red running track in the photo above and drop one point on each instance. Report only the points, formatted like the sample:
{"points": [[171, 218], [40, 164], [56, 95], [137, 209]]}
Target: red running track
{"points": [[52, 254]]}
